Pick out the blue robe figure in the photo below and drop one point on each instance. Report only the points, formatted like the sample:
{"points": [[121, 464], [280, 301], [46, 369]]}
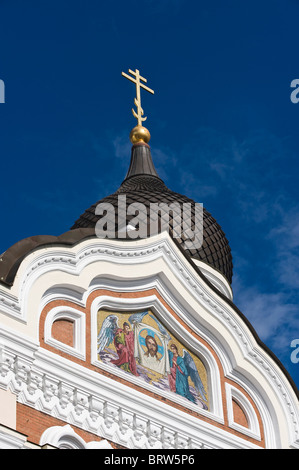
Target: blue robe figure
{"points": [[180, 369]]}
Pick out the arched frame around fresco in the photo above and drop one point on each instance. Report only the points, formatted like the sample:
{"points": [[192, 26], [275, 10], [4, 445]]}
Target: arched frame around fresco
{"points": [[122, 303], [140, 345]]}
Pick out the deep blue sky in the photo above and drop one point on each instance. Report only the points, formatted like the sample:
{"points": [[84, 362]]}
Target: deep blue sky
{"points": [[224, 130]]}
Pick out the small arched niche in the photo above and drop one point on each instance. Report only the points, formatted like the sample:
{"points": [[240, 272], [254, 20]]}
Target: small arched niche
{"points": [[65, 330], [241, 413]]}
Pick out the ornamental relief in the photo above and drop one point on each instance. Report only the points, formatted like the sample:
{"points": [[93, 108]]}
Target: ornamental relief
{"points": [[140, 345]]}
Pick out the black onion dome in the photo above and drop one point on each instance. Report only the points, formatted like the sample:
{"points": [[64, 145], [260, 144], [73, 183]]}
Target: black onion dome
{"points": [[142, 185]]}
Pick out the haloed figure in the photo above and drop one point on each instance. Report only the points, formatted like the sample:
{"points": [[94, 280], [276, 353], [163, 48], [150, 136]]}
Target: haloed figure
{"points": [[152, 347], [124, 344], [178, 377], [151, 357]]}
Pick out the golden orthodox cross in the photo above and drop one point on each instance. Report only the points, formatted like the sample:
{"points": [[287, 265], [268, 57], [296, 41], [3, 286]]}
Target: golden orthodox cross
{"points": [[137, 101]]}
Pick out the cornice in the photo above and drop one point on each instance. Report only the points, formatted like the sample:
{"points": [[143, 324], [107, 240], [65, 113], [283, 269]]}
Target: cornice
{"points": [[75, 260], [83, 398]]}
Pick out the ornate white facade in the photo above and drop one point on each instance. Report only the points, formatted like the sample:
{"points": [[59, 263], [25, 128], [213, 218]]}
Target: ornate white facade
{"points": [[69, 383]]}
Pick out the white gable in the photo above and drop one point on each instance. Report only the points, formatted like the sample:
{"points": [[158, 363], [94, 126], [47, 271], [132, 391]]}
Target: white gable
{"points": [[70, 382]]}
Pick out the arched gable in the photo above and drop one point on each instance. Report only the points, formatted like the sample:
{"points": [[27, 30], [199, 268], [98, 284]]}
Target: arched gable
{"points": [[74, 284]]}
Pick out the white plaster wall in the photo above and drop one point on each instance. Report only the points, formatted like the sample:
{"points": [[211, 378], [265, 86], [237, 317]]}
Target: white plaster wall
{"points": [[8, 408], [140, 265]]}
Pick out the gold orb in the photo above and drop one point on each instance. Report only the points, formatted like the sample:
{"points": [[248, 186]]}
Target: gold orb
{"points": [[139, 134]]}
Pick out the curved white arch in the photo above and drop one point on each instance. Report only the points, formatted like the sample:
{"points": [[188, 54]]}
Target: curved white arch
{"points": [[253, 430], [125, 303], [64, 437], [140, 264], [78, 320], [153, 303]]}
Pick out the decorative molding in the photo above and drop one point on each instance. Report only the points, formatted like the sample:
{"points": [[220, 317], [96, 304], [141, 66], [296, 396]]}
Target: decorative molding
{"points": [[215, 277], [154, 304], [254, 429], [11, 439], [13, 304], [78, 319], [149, 283], [64, 437], [83, 398]]}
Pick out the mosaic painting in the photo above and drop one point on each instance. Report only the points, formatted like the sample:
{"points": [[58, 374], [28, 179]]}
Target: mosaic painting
{"points": [[138, 343]]}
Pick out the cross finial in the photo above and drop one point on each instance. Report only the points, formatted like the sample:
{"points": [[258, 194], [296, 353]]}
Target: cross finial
{"points": [[137, 101]]}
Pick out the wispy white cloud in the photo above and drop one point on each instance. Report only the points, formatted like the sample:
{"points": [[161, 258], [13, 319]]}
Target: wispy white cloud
{"points": [[247, 179], [274, 315], [122, 147], [285, 239], [165, 161], [214, 166]]}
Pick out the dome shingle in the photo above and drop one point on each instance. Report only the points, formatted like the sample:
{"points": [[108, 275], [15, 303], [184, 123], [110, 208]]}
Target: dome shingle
{"points": [[142, 185]]}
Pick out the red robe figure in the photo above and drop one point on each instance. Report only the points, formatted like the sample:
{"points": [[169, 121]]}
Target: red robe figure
{"points": [[124, 345]]}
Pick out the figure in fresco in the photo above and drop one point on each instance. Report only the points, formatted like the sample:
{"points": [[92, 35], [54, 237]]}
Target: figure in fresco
{"points": [[107, 332], [178, 377], [124, 345], [123, 339], [182, 367], [151, 356], [152, 347], [144, 348]]}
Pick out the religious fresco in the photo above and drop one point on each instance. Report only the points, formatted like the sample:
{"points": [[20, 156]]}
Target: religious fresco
{"points": [[138, 343]]}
